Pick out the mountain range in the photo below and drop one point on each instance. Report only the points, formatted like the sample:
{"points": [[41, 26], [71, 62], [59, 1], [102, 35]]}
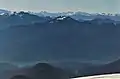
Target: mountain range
{"points": [[79, 42], [8, 19], [76, 15], [80, 15]]}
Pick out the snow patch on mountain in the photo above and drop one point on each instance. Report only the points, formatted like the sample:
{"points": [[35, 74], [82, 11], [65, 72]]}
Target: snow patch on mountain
{"points": [[61, 18], [3, 12]]}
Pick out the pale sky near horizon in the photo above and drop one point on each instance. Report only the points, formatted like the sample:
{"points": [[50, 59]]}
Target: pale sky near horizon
{"points": [[94, 6]]}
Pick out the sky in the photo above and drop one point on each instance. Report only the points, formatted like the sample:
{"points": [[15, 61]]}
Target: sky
{"points": [[91, 6]]}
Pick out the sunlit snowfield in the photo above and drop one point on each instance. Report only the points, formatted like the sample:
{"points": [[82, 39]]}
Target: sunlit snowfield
{"points": [[110, 76]]}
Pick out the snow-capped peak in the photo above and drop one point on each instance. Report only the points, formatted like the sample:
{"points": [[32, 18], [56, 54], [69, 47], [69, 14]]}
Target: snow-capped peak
{"points": [[58, 19], [61, 18]]}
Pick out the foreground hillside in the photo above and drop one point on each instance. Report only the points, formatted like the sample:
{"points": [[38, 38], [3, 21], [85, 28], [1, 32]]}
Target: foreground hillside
{"points": [[38, 71]]}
